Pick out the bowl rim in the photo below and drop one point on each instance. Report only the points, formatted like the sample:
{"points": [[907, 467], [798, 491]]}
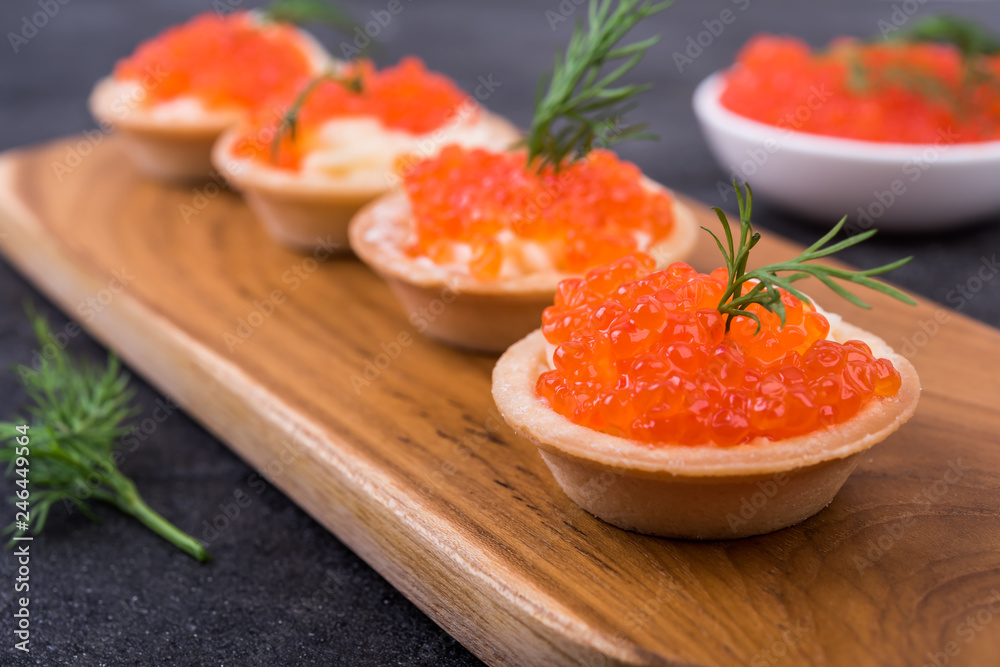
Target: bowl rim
{"points": [[710, 111]]}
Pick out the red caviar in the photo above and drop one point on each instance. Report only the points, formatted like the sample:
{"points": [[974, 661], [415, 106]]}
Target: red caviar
{"points": [[908, 93], [406, 97], [586, 214], [225, 61], [646, 356]]}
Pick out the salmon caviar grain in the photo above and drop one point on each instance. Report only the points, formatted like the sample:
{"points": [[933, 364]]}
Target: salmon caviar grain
{"points": [[231, 61], [591, 212], [645, 355], [407, 97], [891, 92]]}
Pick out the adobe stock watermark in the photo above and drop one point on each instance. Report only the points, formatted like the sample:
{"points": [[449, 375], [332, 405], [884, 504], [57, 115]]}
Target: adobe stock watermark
{"points": [[132, 608], [94, 305], [119, 108], [791, 635], [599, 484], [373, 367], [429, 653], [334, 580], [292, 279], [250, 146], [462, 450], [563, 12], [759, 156], [33, 23], [50, 350], [88, 309], [912, 170], [389, 351], [163, 409], [292, 448], [750, 505], [246, 149], [877, 547], [229, 512], [363, 34], [533, 210], [235, 504], [667, 586], [202, 196], [901, 14], [428, 145], [424, 317], [696, 44], [958, 297], [967, 630]]}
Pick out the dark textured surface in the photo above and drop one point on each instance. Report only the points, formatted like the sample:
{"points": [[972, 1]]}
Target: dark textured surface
{"points": [[281, 590]]}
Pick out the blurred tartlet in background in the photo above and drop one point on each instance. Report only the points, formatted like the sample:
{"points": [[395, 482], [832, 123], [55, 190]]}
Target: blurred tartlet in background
{"points": [[494, 234], [307, 172], [172, 98]]}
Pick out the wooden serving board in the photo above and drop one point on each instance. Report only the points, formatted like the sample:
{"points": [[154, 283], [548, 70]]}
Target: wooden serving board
{"points": [[311, 372]]}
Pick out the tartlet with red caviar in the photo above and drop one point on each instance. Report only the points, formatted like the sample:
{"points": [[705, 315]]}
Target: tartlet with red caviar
{"points": [[485, 239], [307, 173], [478, 240], [178, 92], [661, 407]]}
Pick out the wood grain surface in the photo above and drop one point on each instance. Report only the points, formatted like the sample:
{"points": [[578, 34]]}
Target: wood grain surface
{"points": [[308, 368]]}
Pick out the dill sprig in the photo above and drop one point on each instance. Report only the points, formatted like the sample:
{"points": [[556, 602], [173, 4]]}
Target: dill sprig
{"points": [[972, 42], [576, 106], [78, 414], [288, 125], [969, 38], [302, 12], [765, 283]]}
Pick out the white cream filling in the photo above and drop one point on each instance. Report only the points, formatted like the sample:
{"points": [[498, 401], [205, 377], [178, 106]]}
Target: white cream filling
{"points": [[186, 108], [521, 256], [128, 96], [361, 151]]}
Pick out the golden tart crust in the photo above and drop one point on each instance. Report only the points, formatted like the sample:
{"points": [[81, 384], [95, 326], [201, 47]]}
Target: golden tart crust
{"points": [[698, 492], [169, 151], [460, 310]]}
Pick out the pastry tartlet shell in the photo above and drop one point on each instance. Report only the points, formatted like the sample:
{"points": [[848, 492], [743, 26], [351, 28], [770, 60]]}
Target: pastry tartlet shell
{"points": [[460, 310], [167, 151], [697, 492]]}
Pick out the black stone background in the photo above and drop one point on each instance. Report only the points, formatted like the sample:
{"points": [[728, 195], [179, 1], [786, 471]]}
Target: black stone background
{"points": [[281, 590]]}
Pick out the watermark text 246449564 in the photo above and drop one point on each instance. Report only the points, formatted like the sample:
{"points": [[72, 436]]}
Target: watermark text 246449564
{"points": [[21, 520]]}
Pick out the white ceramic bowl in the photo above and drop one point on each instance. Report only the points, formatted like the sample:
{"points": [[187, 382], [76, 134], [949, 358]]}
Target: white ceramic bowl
{"points": [[889, 186]]}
